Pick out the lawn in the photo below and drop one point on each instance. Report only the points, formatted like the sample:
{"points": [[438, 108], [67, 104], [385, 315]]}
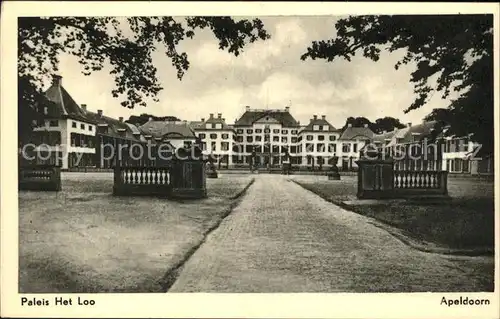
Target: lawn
{"points": [[85, 240], [464, 223]]}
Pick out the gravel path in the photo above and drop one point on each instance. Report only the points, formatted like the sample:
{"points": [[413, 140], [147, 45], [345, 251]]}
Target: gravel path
{"points": [[282, 238]]}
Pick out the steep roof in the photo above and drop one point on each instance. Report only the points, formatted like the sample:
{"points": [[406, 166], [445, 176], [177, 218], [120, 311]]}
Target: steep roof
{"points": [[412, 133], [283, 116], [319, 121], [163, 128], [116, 128], [384, 136], [352, 133], [63, 105]]}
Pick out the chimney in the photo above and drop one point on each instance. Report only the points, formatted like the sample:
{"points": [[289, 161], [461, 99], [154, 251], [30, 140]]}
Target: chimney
{"points": [[211, 115], [287, 109], [349, 125], [408, 124], [203, 119], [315, 117], [323, 117], [57, 80], [223, 119], [219, 115], [120, 118], [84, 107], [99, 112], [366, 125]]}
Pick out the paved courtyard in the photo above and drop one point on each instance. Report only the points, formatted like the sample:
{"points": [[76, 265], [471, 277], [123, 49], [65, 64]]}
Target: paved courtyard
{"points": [[282, 238]]}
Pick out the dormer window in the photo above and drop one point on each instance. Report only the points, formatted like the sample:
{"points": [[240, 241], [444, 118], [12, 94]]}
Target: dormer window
{"points": [[121, 131], [102, 128], [218, 125]]}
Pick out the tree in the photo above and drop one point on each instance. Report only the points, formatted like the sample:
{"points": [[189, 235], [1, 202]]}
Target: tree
{"points": [[456, 50], [380, 125], [387, 124], [125, 44]]}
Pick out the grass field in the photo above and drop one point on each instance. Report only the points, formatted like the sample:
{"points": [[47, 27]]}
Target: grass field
{"points": [[85, 240], [465, 222]]}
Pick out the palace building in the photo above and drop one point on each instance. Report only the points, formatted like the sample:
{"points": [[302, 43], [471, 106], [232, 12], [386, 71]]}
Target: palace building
{"points": [[74, 138]]}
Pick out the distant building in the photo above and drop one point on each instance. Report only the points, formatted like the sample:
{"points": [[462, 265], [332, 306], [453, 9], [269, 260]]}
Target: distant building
{"points": [[75, 137]]}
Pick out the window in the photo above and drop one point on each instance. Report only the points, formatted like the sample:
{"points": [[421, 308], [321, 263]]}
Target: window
{"points": [[73, 124], [249, 148], [325, 127], [284, 132], [276, 149], [266, 138], [82, 126], [309, 137], [249, 139], [355, 148], [320, 148], [213, 147], [284, 140], [249, 131], [204, 146], [333, 137], [346, 148], [213, 136], [53, 123], [239, 139], [225, 136], [239, 131], [258, 130], [309, 147], [258, 138], [321, 137], [213, 125], [276, 131], [332, 148], [294, 131], [267, 130], [294, 139], [293, 149], [276, 138], [90, 128], [224, 146], [218, 125], [284, 149], [202, 135], [316, 127]]}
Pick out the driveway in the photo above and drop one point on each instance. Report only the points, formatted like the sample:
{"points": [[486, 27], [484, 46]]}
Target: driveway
{"points": [[282, 238]]}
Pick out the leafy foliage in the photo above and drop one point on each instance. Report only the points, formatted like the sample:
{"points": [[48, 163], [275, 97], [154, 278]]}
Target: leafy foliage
{"points": [[452, 53], [125, 44], [380, 125]]}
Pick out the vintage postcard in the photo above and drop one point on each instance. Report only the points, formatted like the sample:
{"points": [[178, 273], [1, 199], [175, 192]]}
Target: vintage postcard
{"points": [[257, 160]]}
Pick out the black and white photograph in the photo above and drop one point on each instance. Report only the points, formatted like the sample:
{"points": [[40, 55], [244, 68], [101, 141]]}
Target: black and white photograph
{"points": [[256, 154]]}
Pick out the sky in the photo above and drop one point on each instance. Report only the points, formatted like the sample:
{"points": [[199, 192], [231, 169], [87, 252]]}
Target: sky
{"points": [[268, 74]]}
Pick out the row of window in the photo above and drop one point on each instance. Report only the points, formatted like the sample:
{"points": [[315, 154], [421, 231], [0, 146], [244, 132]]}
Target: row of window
{"points": [[214, 136], [82, 140], [258, 130], [82, 126], [267, 138], [51, 138]]}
